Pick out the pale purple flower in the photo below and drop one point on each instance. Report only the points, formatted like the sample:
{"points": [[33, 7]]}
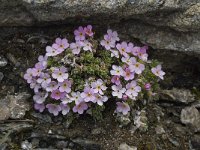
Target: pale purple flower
{"points": [[113, 35], [57, 94], [80, 108], [29, 75], [87, 46], [44, 79], [39, 107], [88, 30], [135, 50], [128, 75], [129, 60], [54, 109], [158, 71], [34, 85], [117, 70], [124, 97], [52, 86], [147, 86], [37, 71], [142, 53], [76, 97], [40, 97], [132, 89], [60, 74], [43, 60], [116, 80], [51, 51], [60, 45], [65, 86], [76, 47], [123, 108], [79, 34], [108, 43], [122, 49], [137, 68], [88, 95], [114, 53], [66, 100], [65, 108], [118, 90], [100, 99], [98, 86], [129, 47]]}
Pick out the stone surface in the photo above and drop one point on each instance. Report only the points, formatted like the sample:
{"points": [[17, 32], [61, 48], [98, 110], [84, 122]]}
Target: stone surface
{"points": [[1, 76], [195, 142], [191, 117], [177, 95], [3, 61], [124, 146], [163, 24], [14, 106]]}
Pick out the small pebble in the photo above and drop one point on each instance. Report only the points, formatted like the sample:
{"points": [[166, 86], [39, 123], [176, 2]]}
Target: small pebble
{"points": [[3, 62]]}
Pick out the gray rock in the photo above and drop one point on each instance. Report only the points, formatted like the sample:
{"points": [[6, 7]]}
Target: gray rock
{"points": [[195, 142], [163, 24], [159, 129], [191, 117], [1, 76], [3, 61], [177, 95], [98, 131], [87, 144], [14, 106], [124, 146]]}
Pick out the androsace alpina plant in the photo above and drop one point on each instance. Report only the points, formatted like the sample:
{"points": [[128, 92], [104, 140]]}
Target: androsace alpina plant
{"points": [[83, 75]]}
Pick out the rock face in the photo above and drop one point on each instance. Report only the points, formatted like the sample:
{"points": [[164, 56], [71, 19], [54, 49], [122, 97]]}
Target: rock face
{"points": [[163, 24], [191, 116], [14, 106]]}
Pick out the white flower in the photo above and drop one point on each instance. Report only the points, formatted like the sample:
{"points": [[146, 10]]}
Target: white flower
{"points": [[98, 86], [117, 70], [118, 90]]}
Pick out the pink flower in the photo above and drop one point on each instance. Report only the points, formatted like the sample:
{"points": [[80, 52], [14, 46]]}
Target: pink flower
{"points": [[65, 86], [40, 97], [60, 45], [60, 74], [57, 94], [76, 97], [113, 35], [117, 70], [116, 80], [80, 108], [88, 30], [39, 107], [158, 71], [142, 53], [66, 100], [98, 86], [147, 86], [29, 75], [108, 43], [118, 90], [128, 75], [76, 47], [122, 48], [51, 51], [132, 90], [79, 34], [122, 108], [129, 60], [65, 109], [135, 50], [54, 109], [43, 60], [130, 47], [34, 85], [88, 95], [87, 46], [52, 86], [137, 68], [100, 99], [124, 97], [44, 79]]}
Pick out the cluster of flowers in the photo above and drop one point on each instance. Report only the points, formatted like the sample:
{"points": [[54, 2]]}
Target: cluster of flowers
{"points": [[125, 75], [53, 86], [54, 83]]}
